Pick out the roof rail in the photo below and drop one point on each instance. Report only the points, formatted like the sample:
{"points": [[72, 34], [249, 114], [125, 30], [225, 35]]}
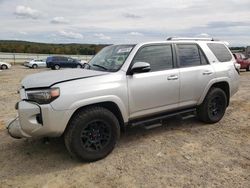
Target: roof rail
{"points": [[190, 38]]}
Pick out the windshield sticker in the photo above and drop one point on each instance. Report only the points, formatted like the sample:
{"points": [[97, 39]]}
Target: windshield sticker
{"points": [[124, 50]]}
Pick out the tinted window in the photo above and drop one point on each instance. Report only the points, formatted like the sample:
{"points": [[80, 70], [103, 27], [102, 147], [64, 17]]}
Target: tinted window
{"points": [[60, 59], [189, 55], [220, 52], [243, 56], [56, 58], [158, 56], [203, 58], [49, 59], [70, 60], [64, 59]]}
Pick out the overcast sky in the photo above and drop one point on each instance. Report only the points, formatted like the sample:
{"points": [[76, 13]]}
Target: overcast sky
{"points": [[124, 21]]}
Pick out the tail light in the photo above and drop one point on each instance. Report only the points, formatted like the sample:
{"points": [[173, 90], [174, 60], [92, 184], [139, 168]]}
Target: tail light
{"points": [[237, 67]]}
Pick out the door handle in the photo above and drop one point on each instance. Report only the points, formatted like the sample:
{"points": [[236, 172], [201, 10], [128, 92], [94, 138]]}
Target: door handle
{"points": [[207, 72], [172, 77]]}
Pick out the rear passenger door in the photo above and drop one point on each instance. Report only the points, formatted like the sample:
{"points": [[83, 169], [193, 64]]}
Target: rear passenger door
{"points": [[195, 73], [65, 62], [71, 63], [157, 90]]}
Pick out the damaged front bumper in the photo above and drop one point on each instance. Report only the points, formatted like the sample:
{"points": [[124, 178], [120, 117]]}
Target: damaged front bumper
{"points": [[14, 129], [36, 120]]}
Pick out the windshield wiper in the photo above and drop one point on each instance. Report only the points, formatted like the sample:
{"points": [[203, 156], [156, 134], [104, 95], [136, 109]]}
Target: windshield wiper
{"points": [[104, 68]]}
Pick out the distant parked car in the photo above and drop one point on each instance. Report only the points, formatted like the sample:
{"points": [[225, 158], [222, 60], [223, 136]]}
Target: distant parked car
{"points": [[35, 63], [83, 61], [57, 62], [4, 65], [242, 60]]}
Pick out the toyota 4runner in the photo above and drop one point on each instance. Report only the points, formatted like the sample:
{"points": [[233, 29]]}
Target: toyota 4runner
{"points": [[126, 85]]}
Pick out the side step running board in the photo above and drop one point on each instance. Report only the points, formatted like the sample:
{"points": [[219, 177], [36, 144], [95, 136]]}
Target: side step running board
{"points": [[156, 121]]}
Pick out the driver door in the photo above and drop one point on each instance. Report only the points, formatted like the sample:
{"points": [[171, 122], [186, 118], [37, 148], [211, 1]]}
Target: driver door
{"points": [[158, 89]]}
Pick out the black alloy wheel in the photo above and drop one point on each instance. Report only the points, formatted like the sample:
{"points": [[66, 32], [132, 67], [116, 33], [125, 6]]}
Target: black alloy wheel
{"points": [[213, 107], [216, 106], [96, 135], [92, 133]]}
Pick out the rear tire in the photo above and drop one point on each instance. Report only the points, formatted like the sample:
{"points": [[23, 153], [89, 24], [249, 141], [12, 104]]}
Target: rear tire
{"points": [[92, 134], [78, 66], [34, 66], [248, 68], [56, 67], [213, 107]]}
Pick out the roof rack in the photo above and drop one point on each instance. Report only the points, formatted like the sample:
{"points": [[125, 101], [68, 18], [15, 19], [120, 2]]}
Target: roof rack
{"points": [[190, 38]]}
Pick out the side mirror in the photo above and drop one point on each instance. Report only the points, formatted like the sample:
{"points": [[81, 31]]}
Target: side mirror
{"points": [[140, 67], [85, 66]]}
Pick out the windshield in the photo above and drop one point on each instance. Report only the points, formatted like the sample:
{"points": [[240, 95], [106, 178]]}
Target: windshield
{"points": [[110, 58], [243, 56]]}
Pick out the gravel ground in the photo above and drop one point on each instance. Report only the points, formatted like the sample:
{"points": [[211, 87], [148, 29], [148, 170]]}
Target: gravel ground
{"points": [[179, 154]]}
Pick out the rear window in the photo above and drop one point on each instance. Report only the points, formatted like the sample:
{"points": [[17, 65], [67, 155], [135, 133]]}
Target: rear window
{"points": [[220, 52]]}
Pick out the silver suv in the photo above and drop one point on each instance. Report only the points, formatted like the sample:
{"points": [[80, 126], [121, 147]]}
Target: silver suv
{"points": [[126, 85]]}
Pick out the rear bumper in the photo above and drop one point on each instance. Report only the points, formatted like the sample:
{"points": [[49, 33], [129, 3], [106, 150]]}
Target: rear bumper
{"points": [[36, 120]]}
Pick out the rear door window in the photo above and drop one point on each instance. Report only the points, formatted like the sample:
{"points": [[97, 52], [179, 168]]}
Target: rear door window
{"points": [[56, 58], [190, 55], [64, 59], [220, 52], [70, 60]]}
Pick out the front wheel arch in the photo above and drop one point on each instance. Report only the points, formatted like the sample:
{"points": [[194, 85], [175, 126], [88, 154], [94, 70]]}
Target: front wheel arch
{"points": [[111, 106]]}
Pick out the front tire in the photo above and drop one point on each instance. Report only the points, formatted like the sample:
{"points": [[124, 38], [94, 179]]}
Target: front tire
{"points": [[34, 66], [213, 107], [4, 67], [92, 134]]}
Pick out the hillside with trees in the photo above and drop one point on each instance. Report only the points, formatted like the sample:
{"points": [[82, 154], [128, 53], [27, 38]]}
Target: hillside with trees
{"points": [[47, 48], [13, 46]]}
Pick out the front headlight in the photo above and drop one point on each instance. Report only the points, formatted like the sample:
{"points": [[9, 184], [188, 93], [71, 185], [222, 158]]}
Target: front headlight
{"points": [[43, 96]]}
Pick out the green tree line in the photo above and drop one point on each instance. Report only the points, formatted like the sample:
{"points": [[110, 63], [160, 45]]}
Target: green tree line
{"points": [[47, 48], [240, 49]]}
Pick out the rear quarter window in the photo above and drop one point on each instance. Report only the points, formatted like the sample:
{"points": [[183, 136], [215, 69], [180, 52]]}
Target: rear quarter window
{"points": [[220, 51]]}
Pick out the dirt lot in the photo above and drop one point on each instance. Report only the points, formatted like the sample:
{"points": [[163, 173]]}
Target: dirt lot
{"points": [[180, 154]]}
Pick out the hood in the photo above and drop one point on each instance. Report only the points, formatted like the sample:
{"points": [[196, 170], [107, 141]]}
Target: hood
{"points": [[49, 78]]}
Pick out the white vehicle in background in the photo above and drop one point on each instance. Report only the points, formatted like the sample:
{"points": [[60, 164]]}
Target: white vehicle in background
{"points": [[83, 61], [4, 65], [36, 63]]}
